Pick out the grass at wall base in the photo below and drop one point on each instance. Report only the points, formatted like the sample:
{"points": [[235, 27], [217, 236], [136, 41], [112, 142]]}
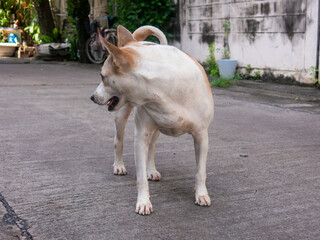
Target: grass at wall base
{"points": [[223, 82]]}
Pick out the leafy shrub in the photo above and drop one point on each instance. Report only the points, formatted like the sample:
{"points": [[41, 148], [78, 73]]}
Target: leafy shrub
{"points": [[313, 74], [71, 36], [34, 31], [211, 61], [5, 18], [136, 13], [52, 38], [4, 36], [21, 13]]}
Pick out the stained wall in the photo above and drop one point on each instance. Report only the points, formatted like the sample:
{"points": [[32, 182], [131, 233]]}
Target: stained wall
{"points": [[275, 35]]}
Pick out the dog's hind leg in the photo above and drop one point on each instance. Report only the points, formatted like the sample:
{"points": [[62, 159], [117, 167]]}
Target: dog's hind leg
{"points": [[121, 117], [152, 172], [201, 149]]}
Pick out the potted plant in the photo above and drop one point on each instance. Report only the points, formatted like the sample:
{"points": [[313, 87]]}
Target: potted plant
{"points": [[227, 66]]}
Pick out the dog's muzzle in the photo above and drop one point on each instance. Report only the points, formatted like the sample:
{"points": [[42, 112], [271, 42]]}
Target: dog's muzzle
{"points": [[111, 104]]}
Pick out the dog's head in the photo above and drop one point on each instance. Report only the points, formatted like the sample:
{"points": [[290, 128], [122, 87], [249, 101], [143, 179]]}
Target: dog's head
{"points": [[117, 71]]}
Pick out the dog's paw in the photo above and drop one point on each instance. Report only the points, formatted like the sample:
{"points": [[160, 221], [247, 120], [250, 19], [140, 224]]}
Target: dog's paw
{"points": [[153, 175], [203, 200], [119, 169], [144, 208]]}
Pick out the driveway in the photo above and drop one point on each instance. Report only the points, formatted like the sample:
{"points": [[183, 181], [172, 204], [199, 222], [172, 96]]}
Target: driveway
{"points": [[56, 155]]}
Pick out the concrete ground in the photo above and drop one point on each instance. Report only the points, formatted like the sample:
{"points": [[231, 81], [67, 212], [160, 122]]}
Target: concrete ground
{"points": [[56, 155]]}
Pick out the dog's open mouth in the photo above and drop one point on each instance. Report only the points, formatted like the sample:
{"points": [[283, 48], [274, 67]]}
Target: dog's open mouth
{"points": [[112, 103]]}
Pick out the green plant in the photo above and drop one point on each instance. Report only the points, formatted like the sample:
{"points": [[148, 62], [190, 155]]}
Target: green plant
{"points": [[5, 18], [19, 14], [4, 36], [52, 38], [211, 61], [225, 53], [313, 72], [227, 29], [223, 82], [34, 31], [248, 69], [256, 75], [136, 13], [71, 36], [237, 76]]}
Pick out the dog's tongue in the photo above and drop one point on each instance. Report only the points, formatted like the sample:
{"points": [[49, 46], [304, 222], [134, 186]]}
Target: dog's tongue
{"points": [[109, 103], [112, 103]]}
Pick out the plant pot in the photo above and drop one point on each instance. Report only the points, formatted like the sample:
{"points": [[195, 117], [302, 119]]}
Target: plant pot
{"points": [[227, 68], [8, 49]]}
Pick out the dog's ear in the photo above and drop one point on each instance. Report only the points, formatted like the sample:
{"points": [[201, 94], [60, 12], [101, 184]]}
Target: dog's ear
{"points": [[112, 49], [124, 36], [121, 58]]}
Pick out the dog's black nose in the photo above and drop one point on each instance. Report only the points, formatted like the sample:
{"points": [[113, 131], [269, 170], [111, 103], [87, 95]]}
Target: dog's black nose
{"points": [[92, 98]]}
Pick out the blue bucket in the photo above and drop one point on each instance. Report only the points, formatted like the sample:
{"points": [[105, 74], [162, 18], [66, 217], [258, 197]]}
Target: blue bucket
{"points": [[227, 68]]}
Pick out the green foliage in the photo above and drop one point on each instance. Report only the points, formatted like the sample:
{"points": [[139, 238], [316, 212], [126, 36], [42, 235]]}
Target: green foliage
{"points": [[6, 14], [225, 53], [52, 38], [34, 31], [78, 9], [237, 76], [18, 12], [5, 18], [211, 61], [248, 69], [223, 82], [226, 50], [256, 75], [71, 36], [312, 74], [136, 13], [247, 74], [226, 27], [4, 36]]}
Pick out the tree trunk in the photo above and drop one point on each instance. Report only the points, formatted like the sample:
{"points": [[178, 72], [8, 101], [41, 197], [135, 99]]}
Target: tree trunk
{"points": [[82, 38], [46, 22], [79, 10]]}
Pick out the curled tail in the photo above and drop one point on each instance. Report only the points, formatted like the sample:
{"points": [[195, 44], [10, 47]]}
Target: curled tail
{"points": [[145, 31]]}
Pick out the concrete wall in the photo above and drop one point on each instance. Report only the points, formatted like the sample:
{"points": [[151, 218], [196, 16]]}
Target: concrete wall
{"points": [[275, 35]]}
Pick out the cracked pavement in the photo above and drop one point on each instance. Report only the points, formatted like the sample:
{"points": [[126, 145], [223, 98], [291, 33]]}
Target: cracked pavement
{"points": [[56, 155]]}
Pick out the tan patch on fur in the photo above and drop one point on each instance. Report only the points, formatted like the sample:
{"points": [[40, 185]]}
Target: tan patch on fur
{"points": [[133, 43], [129, 58], [203, 73]]}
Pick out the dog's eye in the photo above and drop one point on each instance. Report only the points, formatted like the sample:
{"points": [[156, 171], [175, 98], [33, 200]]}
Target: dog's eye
{"points": [[105, 80]]}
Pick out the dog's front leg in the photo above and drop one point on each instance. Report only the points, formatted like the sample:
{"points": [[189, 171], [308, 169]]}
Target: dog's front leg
{"points": [[201, 149], [121, 117], [143, 134]]}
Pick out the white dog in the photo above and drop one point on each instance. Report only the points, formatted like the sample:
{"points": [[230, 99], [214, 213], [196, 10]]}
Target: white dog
{"points": [[171, 94]]}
